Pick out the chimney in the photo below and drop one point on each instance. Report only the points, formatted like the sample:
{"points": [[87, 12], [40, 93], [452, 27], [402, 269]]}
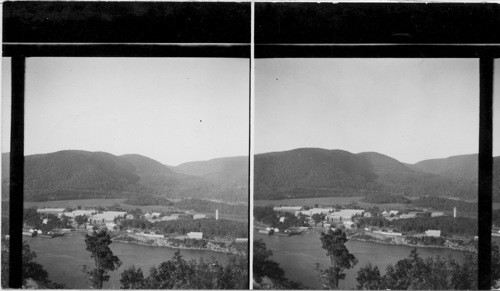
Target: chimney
{"points": [[216, 214], [454, 212]]}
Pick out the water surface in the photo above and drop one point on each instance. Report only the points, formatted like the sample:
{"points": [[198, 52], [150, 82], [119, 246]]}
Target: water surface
{"points": [[63, 258], [298, 255]]}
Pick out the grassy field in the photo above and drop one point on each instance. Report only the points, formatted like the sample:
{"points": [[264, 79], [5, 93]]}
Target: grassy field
{"points": [[74, 203], [326, 201]]}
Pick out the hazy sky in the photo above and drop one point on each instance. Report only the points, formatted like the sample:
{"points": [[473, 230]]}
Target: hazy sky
{"points": [[409, 109], [173, 110]]}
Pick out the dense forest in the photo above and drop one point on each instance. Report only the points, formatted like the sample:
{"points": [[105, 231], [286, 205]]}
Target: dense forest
{"points": [[205, 206], [210, 227], [67, 175], [313, 172], [448, 225], [438, 203]]}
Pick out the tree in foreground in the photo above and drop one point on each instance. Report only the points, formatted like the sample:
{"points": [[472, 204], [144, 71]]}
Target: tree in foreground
{"points": [[98, 246], [416, 273], [33, 274], [333, 241], [178, 273]]}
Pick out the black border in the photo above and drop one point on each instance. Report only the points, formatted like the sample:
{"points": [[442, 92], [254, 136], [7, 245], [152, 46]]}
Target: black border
{"points": [[402, 30], [109, 29]]}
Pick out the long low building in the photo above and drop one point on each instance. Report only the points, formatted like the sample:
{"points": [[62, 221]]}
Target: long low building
{"points": [[195, 235], [313, 211], [76, 213], [107, 216], [344, 214]]}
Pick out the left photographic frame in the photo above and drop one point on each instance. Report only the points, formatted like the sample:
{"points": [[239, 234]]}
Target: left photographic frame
{"points": [[127, 152]]}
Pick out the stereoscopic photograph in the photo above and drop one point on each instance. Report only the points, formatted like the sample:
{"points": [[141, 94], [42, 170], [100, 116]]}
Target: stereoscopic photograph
{"points": [[136, 173], [366, 174]]}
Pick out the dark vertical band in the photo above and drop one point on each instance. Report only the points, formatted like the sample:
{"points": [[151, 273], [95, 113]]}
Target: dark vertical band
{"points": [[16, 172], [485, 172]]}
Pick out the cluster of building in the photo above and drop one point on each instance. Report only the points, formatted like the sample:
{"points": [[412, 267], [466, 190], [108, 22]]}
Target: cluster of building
{"points": [[347, 217], [109, 219]]}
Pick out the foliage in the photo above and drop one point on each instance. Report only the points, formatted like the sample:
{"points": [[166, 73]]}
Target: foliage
{"points": [[369, 278], [314, 172], [426, 240], [205, 206], [209, 226], [333, 241], [265, 215], [265, 267], [262, 265], [30, 269], [31, 217], [80, 219], [438, 203], [415, 273], [178, 273], [98, 245], [132, 278], [318, 217], [448, 225], [292, 221]]}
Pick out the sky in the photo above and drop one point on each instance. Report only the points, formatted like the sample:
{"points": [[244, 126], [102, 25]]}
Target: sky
{"points": [[409, 109], [173, 110]]}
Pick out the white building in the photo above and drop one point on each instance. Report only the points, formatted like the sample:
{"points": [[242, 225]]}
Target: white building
{"points": [[152, 214], [195, 235], [171, 217], [343, 215], [435, 233], [199, 216], [437, 214], [409, 215], [313, 211], [76, 213], [107, 216]]}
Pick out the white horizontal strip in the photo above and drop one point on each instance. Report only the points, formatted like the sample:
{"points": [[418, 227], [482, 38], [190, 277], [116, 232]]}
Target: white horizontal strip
{"points": [[125, 44]]}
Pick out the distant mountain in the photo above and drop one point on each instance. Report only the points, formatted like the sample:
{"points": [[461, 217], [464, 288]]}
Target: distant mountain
{"points": [[457, 167], [81, 174], [232, 171], [462, 168], [313, 172]]}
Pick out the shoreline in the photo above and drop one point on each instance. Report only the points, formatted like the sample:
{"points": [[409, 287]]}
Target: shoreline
{"points": [[410, 245], [177, 247], [350, 237]]}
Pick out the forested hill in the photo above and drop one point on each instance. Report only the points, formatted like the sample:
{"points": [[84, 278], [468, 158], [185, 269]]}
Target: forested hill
{"points": [[313, 172], [232, 171], [80, 175]]}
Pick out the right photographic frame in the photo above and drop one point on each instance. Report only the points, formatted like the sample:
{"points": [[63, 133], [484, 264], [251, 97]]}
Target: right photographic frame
{"points": [[375, 165]]}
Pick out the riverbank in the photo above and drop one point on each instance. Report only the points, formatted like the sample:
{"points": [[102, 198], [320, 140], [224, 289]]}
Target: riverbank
{"points": [[391, 240], [179, 244], [402, 242]]}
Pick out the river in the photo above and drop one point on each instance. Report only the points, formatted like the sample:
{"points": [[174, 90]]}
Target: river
{"points": [[298, 255], [63, 258]]}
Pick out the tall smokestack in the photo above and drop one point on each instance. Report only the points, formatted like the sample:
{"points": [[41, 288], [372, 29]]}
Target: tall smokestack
{"points": [[216, 214], [454, 212]]}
